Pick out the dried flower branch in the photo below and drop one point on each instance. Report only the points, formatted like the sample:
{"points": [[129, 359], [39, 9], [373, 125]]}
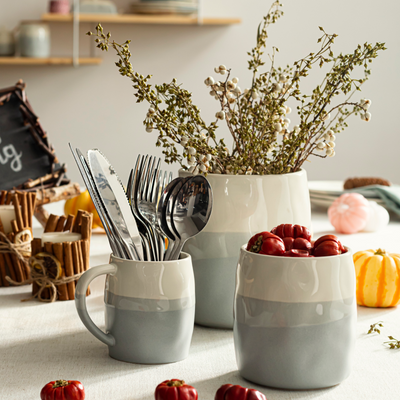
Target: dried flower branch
{"points": [[257, 118], [373, 327], [393, 343]]}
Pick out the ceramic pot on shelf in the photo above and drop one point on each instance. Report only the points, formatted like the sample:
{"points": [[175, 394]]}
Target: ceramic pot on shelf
{"points": [[59, 6], [243, 205], [34, 39], [295, 320], [7, 42]]}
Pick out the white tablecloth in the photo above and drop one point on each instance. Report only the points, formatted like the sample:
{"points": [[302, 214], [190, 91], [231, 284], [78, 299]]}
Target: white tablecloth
{"points": [[43, 342]]}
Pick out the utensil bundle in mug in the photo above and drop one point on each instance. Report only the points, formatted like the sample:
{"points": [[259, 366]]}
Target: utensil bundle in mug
{"points": [[156, 215]]}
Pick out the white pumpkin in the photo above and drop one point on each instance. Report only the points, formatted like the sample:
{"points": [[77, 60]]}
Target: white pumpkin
{"points": [[378, 217]]}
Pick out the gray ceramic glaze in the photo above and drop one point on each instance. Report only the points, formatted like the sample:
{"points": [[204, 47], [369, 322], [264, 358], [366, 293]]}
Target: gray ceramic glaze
{"points": [[294, 346], [150, 337], [295, 319], [215, 258], [149, 309]]}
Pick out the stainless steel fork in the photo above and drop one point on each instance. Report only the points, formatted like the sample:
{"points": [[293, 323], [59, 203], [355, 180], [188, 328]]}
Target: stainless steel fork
{"points": [[147, 199]]}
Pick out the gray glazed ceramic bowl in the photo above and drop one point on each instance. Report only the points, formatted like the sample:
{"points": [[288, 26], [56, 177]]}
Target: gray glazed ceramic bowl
{"points": [[295, 320]]}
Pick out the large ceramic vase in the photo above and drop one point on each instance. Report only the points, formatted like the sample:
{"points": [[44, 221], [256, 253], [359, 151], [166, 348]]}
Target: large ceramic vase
{"points": [[243, 206]]}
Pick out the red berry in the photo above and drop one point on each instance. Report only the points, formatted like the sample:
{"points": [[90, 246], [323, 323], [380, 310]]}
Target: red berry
{"points": [[302, 244], [294, 231], [266, 243], [288, 243], [328, 245]]}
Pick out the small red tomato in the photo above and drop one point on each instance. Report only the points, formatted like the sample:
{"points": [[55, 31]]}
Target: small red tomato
{"points": [[175, 389], [236, 392], [63, 390], [294, 231], [288, 243], [301, 244], [328, 245], [266, 243]]}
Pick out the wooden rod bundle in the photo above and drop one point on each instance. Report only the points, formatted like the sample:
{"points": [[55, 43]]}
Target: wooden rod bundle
{"points": [[11, 264], [72, 256]]}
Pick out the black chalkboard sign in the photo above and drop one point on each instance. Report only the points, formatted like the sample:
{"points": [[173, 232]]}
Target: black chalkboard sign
{"points": [[25, 153]]}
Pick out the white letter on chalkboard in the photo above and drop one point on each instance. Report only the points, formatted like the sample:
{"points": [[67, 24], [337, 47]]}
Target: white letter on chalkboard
{"points": [[9, 152]]}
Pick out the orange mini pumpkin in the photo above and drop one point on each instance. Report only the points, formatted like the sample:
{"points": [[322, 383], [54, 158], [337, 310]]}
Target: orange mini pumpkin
{"points": [[83, 202], [378, 278]]}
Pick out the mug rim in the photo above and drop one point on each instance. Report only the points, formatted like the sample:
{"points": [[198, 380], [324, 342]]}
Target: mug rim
{"points": [[186, 257], [348, 252]]}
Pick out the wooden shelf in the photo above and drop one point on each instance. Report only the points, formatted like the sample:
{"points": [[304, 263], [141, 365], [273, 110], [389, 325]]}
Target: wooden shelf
{"points": [[48, 61], [140, 19]]}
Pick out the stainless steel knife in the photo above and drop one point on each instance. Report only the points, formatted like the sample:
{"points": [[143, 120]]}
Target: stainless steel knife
{"points": [[113, 195]]}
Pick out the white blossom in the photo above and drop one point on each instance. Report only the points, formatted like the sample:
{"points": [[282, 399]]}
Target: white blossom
{"points": [[209, 81], [192, 161], [230, 85], [283, 78], [325, 117], [276, 87], [365, 103], [191, 151], [220, 115]]}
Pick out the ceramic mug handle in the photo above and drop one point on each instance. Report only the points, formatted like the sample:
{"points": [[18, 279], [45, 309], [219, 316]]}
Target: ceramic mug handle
{"points": [[80, 301]]}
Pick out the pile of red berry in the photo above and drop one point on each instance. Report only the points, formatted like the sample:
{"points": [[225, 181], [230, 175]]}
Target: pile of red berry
{"points": [[289, 240]]}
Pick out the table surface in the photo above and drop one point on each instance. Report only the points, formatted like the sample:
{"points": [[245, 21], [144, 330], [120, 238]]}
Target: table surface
{"points": [[41, 342]]}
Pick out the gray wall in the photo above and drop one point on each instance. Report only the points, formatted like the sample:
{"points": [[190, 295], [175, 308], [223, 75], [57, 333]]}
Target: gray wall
{"points": [[92, 106]]}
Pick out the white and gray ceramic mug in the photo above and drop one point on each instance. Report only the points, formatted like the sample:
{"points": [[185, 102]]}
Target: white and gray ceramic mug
{"points": [[149, 309], [295, 320]]}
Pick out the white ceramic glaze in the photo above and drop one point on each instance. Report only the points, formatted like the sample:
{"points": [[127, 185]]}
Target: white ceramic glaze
{"points": [[254, 203], [291, 279], [295, 320], [158, 280], [243, 205]]}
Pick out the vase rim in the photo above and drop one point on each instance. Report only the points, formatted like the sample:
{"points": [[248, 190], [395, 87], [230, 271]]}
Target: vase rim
{"points": [[301, 170]]}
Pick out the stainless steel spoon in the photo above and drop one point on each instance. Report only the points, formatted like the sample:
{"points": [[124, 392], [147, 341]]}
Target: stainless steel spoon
{"points": [[191, 211], [162, 215]]}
